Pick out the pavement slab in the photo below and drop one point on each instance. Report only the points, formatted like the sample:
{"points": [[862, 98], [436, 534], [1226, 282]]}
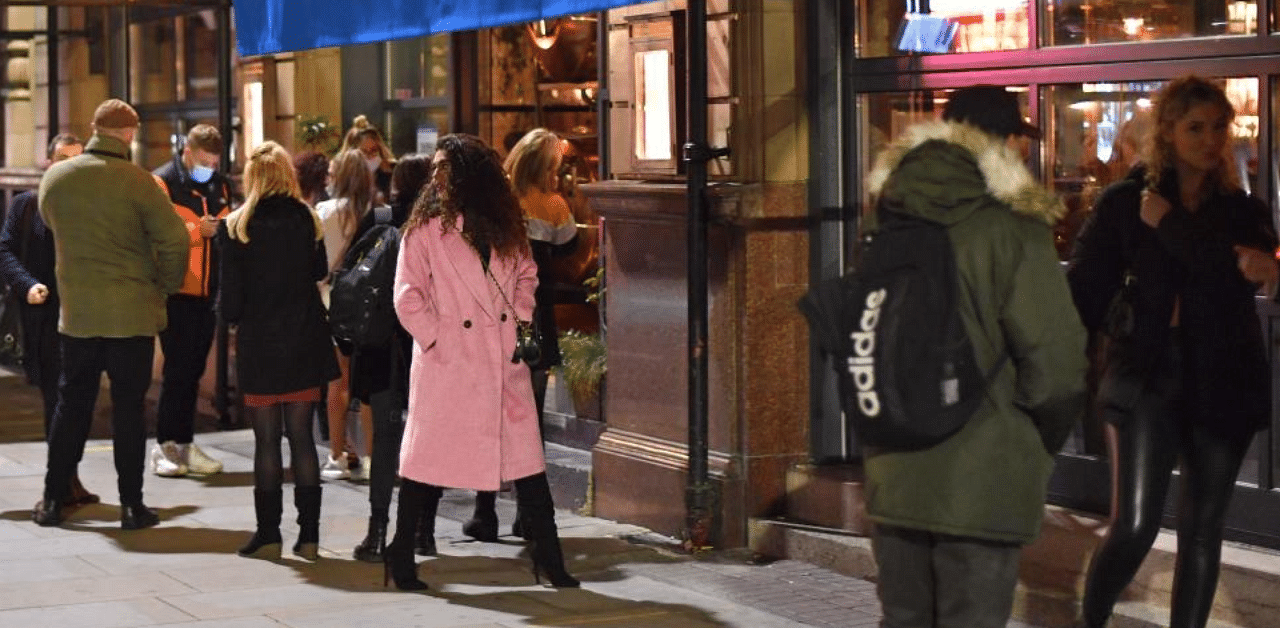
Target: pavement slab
{"points": [[89, 573]]}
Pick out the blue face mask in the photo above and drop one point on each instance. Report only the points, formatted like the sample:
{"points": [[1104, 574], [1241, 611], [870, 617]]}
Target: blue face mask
{"points": [[201, 174]]}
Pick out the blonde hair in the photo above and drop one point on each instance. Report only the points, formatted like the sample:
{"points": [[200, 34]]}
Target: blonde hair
{"points": [[1174, 101], [268, 173], [532, 162], [361, 127], [354, 182]]}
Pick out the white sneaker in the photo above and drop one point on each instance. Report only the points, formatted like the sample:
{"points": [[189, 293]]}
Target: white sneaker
{"points": [[361, 473], [335, 469], [197, 461], [166, 460]]}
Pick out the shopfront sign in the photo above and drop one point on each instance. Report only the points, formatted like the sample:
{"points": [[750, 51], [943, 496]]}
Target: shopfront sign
{"points": [[269, 26]]}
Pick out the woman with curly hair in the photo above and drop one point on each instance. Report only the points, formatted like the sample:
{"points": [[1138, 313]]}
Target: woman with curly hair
{"points": [[464, 278], [1185, 382]]}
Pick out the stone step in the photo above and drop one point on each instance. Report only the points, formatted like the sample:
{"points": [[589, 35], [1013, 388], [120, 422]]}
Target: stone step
{"points": [[1052, 572]]}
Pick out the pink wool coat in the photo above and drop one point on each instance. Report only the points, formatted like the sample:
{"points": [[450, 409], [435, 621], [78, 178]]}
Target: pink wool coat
{"points": [[472, 422]]}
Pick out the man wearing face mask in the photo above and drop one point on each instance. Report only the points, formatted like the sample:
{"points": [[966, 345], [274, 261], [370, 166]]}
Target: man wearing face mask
{"points": [[200, 196]]}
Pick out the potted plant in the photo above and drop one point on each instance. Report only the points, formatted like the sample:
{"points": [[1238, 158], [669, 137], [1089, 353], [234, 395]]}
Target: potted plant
{"points": [[583, 358], [583, 365]]}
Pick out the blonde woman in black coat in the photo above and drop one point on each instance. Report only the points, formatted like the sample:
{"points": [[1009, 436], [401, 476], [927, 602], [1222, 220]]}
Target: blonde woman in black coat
{"points": [[273, 254]]}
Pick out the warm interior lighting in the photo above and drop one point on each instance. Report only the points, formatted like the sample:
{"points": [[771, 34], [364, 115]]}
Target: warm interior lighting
{"points": [[544, 33], [1133, 26], [653, 98]]}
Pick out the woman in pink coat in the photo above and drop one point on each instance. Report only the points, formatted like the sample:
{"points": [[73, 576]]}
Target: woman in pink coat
{"points": [[464, 278]]}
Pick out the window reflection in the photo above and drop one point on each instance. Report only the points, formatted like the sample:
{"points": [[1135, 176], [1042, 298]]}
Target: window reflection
{"points": [[418, 68], [978, 26], [1073, 22]]}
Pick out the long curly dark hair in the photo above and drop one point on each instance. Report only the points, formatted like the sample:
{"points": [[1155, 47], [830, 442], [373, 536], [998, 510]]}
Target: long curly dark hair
{"points": [[474, 187]]}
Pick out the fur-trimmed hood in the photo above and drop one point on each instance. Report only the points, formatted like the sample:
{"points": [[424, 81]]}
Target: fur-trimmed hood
{"points": [[942, 169]]}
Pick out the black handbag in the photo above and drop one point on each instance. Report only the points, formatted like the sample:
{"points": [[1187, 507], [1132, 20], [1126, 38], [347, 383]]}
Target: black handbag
{"points": [[528, 333], [1124, 371]]}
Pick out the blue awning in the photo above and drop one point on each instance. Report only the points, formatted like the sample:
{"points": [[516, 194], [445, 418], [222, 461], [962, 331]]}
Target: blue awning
{"points": [[267, 26]]}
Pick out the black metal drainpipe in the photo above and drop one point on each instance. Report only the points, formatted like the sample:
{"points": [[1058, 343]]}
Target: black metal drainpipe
{"points": [[699, 492], [222, 398], [55, 124]]}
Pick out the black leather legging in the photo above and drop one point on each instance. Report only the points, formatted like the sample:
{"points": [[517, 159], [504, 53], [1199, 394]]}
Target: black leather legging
{"points": [[1144, 449]]}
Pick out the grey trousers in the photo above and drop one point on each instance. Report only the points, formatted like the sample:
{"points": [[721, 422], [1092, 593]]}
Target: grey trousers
{"points": [[930, 580]]}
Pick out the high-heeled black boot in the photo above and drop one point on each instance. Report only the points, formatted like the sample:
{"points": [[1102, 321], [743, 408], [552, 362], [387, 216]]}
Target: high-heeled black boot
{"points": [[537, 517], [265, 542], [370, 549], [397, 559], [483, 525], [307, 500]]}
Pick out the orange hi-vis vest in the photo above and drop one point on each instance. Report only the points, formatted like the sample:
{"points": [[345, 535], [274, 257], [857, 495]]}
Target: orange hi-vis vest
{"points": [[196, 281]]}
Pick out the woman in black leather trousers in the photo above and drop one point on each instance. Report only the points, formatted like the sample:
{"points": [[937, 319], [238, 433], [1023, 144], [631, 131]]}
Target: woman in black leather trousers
{"points": [[1185, 380], [1145, 449]]}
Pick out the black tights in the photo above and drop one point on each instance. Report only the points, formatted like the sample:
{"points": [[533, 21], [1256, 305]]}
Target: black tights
{"points": [[1144, 450], [268, 423]]}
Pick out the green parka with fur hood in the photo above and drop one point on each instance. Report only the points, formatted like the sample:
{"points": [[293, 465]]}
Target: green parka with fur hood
{"points": [[988, 481]]}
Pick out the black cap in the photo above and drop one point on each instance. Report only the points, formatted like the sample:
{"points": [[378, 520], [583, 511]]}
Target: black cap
{"points": [[990, 108]]}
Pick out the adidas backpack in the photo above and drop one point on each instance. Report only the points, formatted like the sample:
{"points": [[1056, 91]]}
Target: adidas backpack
{"points": [[907, 376], [361, 310]]}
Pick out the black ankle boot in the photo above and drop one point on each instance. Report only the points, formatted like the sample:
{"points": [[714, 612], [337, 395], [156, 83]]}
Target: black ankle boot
{"points": [[538, 523], [307, 500], [47, 513], [483, 525], [375, 541], [137, 516], [266, 541]]}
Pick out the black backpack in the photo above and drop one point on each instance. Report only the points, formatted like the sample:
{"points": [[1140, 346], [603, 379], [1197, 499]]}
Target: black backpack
{"points": [[906, 371], [361, 310]]}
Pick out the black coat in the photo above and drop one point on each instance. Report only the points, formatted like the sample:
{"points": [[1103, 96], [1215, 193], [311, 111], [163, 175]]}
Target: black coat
{"points": [[26, 259], [283, 343], [1188, 259]]}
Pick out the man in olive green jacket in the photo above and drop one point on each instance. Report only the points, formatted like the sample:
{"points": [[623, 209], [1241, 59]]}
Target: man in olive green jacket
{"points": [[951, 519], [120, 252]]}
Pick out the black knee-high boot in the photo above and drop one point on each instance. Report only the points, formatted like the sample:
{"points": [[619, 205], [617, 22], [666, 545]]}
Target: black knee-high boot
{"points": [[265, 542], [307, 500], [537, 513], [415, 499], [483, 525]]}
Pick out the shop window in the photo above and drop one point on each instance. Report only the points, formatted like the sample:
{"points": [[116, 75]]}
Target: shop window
{"points": [[417, 93], [899, 27], [656, 51], [1096, 131], [201, 60], [418, 68], [415, 130], [1072, 22], [154, 61]]}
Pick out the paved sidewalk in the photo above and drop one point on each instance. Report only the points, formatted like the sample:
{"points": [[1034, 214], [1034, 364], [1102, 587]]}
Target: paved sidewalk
{"points": [[90, 573]]}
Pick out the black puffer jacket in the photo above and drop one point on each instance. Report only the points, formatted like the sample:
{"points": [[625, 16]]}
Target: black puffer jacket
{"points": [[269, 291], [1188, 259]]}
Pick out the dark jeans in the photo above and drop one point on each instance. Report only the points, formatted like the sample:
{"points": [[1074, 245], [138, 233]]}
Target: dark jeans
{"points": [[185, 344], [127, 362], [1145, 447], [388, 430], [930, 580]]}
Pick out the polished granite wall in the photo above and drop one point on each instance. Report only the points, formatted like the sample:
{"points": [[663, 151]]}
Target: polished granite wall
{"points": [[758, 348]]}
